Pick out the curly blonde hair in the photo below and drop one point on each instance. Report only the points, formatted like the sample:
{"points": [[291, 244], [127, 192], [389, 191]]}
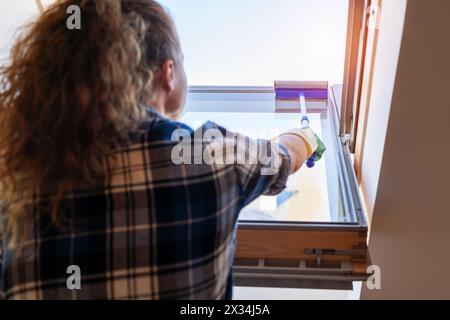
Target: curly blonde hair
{"points": [[69, 97]]}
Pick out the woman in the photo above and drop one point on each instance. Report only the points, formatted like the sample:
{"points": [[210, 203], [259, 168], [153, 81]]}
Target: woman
{"points": [[94, 205]]}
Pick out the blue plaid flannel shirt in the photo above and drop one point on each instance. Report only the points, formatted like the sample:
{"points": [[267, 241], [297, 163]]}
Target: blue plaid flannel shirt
{"points": [[154, 230]]}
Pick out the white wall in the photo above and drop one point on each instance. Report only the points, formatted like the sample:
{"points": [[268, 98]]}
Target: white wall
{"points": [[410, 236], [386, 59]]}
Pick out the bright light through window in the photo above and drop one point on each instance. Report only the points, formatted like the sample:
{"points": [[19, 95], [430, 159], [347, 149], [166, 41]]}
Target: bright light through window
{"points": [[14, 14], [254, 42]]}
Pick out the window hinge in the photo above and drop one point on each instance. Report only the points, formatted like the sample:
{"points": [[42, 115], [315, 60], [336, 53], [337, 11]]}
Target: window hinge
{"points": [[346, 138], [319, 254], [373, 20]]}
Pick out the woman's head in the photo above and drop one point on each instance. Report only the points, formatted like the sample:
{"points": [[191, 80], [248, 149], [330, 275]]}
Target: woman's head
{"points": [[69, 97], [162, 53]]}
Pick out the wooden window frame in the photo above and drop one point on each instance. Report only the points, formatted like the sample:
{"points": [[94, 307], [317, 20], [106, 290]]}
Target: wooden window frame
{"points": [[362, 39]]}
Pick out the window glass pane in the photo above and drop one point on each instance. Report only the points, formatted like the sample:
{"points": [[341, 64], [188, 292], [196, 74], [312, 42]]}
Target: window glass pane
{"points": [[312, 195], [254, 42]]}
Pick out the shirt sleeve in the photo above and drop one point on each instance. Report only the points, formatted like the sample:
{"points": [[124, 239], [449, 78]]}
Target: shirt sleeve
{"points": [[268, 174], [262, 167]]}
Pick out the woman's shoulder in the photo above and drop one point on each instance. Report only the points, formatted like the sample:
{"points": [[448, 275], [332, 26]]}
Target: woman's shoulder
{"points": [[160, 128], [157, 128]]}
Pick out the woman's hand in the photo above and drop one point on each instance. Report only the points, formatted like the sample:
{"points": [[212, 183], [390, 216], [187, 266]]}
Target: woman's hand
{"points": [[303, 145]]}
